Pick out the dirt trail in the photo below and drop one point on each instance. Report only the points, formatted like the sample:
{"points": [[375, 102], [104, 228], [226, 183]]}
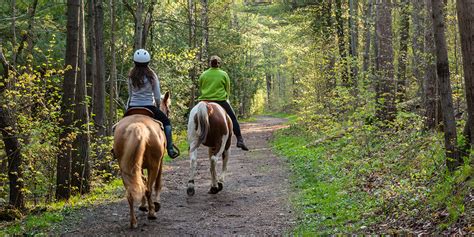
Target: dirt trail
{"points": [[254, 200]]}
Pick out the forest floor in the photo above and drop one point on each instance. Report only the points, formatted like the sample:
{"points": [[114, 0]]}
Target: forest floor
{"points": [[254, 201]]}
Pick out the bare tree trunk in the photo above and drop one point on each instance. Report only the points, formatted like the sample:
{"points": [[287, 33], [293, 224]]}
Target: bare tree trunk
{"points": [[442, 65], [368, 25], [341, 42], [430, 78], [354, 39], [142, 24], [138, 25], [98, 107], [192, 45], [91, 51], [268, 80], [13, 29], [465, 10], [386, 84], [63, 185], [113, 70], [9, 133], [80, 174], [13, 152], [417, 46], [403, 55], [147, 23], [205, 32]]}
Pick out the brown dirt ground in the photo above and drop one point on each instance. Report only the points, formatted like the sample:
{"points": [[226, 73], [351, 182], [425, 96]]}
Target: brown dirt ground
{"points": [[254, 200]]}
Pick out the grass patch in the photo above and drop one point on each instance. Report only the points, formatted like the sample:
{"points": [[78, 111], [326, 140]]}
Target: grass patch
{"points": [[54, 213], [370, 180]]}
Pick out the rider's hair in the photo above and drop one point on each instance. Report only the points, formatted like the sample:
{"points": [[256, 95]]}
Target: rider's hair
{"points": [[214, 63], [138, 73]]}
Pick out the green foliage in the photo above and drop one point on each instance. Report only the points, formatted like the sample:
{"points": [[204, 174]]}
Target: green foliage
{"points": [[43, 222], [369, 177]]}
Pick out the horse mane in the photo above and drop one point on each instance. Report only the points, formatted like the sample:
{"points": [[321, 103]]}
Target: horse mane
{"points": [[201, 119]]}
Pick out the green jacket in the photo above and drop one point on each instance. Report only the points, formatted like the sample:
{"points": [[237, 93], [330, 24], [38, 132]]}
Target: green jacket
{"points": [[214, 84]]}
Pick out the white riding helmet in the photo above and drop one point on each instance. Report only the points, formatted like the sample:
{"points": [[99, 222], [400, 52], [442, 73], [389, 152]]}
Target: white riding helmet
{"points": [[141, 56]]}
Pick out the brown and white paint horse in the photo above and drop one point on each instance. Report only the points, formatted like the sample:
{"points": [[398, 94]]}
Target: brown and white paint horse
{"points": [[140, 143], [209, 125]]}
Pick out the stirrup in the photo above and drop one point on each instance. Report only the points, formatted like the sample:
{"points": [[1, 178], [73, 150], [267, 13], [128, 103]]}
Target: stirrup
{"points": [[177, 152]]}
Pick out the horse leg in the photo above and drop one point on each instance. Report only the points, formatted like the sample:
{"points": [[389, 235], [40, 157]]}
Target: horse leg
{"points": [[158, 186], [152, 174], [133, 219], [225, 158], [143, 206], [213, 160], [193, 164]]}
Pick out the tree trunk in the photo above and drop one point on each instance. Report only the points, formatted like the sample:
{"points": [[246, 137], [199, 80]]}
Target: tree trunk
{"points": [[113, 71], [99, 84], [138, 25], [341, 42], [442, 66], [142, 24], [63, 185], [403, 55], [385, 88], [268, 80], [147, 23], [13, 29], [91, 51], [80, 174], [13, 152], [368, 25], [9, 133], [430, 78], [465, 10], [354, 40], [192, 45], [205, 32], [417, 46]]}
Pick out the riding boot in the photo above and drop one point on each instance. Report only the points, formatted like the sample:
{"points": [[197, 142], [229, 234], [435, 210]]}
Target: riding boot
{"points": [[169, 143], [241, 144]]}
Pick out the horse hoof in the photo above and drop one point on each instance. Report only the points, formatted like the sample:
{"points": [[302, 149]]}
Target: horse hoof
{"points": [[214, 190], [133, 225], [152, 217], [143, 208], [157, 206], [190, 191], [220, 186]]}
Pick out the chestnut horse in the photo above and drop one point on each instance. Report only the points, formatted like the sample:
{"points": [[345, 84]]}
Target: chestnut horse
{"points": [[140, 143], [209, 125]]}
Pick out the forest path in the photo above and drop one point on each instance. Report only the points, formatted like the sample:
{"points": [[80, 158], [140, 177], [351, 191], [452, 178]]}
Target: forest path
{"points": [[254, 199]]}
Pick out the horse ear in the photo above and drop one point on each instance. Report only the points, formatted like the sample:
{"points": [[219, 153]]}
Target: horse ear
{"points": [[167, 97]]}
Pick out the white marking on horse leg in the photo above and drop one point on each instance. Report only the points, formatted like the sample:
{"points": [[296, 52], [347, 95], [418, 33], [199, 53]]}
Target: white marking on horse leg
{"points": [[213, 160], [193, 165], [225, 159]]}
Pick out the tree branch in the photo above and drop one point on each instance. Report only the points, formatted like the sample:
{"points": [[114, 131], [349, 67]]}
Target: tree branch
{"points": [[130, 9]]}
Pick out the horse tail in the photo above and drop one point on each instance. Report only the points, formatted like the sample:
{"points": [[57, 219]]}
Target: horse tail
{"points": [[137, 136], [201, 118]]}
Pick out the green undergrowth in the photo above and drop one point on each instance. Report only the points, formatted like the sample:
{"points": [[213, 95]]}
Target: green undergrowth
{"points": [[359, 178], [42, 219]]}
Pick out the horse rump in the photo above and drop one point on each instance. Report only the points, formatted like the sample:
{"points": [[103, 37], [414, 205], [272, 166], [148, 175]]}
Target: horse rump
{"points": [[136, 135]]}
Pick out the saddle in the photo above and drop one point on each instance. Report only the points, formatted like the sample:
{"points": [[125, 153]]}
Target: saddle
{"points": [[142, 111]]}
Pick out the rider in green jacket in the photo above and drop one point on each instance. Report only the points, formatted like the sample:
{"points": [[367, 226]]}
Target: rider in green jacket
{"points": [[214, 86]]}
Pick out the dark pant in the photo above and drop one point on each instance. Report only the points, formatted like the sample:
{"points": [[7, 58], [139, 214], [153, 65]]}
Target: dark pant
{"points": [[224, 104], [158, 114]]}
